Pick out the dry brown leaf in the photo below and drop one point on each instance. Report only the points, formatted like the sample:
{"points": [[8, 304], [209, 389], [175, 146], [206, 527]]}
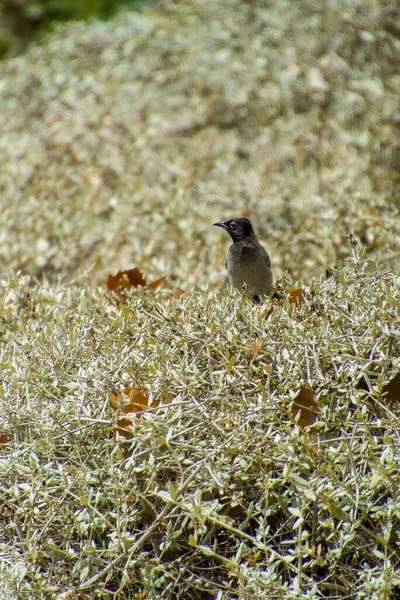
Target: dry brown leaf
{"points": [[294, 297], [127, 401], [308, 406], [126, 279], [392, 391], [5, 439], [131, 278], [156, 284], [178, 292]]}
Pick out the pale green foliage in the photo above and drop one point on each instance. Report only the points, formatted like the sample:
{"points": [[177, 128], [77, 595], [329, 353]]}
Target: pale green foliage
{"points": [[121, 143], [217, 476]]}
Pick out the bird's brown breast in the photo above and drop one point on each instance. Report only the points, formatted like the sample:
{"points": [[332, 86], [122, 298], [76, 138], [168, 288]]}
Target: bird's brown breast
{"points": [[249, 265]]}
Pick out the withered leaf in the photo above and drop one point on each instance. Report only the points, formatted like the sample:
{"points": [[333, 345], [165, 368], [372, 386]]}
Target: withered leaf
{"points": [[131, 278], [294, 297], [307, 405], [5, 439], [156, 284], [127, 279], [391, 391], [127, 401], [178, 292]]}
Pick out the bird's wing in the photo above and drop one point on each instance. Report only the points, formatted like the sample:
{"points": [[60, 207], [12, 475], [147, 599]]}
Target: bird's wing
{"points": [[266, 256]]}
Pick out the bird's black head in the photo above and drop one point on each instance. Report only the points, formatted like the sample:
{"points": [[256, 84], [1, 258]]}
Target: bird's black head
{"points": [[238, 229]]}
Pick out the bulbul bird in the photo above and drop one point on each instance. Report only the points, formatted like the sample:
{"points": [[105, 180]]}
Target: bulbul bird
{"points": [[247, 262]]}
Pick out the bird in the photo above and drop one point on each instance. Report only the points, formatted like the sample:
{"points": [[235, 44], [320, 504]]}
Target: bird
{"points": [[247, 261]]}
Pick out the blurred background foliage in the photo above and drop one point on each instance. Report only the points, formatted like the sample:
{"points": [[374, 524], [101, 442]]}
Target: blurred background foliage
{"points": [[123, 140], [23, 21]]}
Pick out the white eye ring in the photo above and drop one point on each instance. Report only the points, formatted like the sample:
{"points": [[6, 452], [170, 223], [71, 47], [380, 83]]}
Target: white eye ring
{"points": [[233, 225]]}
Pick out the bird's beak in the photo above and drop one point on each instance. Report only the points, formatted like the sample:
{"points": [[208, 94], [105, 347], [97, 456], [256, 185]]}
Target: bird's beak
{"points": [[220, 224]]}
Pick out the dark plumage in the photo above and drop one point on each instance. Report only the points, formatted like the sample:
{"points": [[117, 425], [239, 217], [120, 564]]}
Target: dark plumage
{"points": [[248, 263]]}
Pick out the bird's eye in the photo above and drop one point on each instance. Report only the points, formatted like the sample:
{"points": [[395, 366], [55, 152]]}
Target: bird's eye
{"points": [[233, 225]]}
